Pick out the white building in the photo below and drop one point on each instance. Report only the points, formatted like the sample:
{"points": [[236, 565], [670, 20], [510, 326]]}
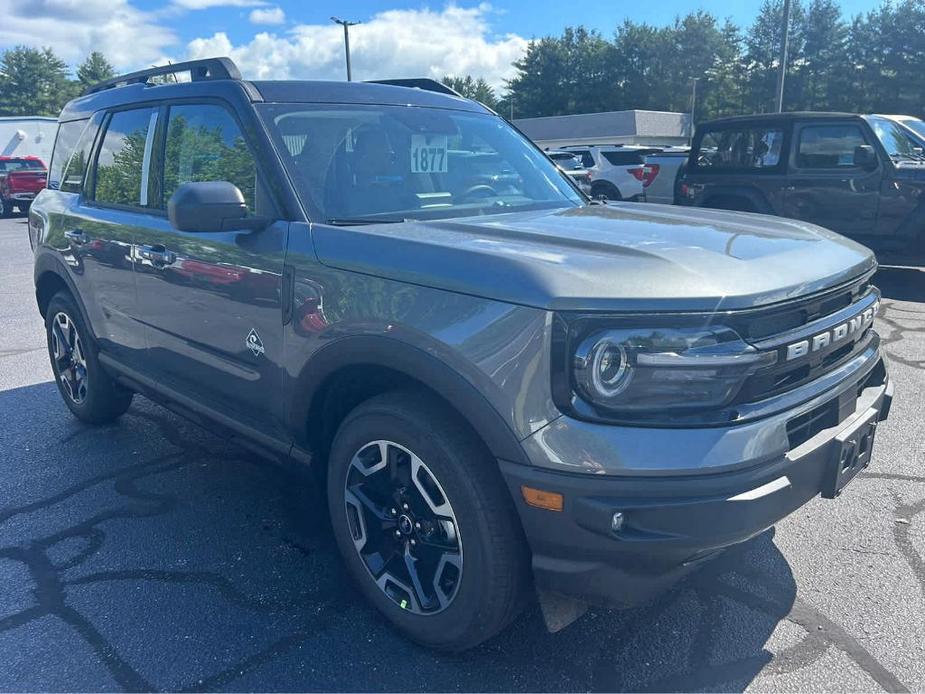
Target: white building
{"points": [[611, 127], [22, 136]]}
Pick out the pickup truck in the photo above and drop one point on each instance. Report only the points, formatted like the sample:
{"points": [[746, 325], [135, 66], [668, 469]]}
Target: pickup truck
{"points": [[859, 175], [21, 179]]}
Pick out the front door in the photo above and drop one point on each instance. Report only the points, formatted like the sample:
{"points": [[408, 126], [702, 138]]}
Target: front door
{"points": [[211, 301], [824, 185]]}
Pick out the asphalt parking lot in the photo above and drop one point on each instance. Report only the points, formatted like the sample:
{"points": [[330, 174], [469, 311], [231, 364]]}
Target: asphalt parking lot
{"points": [[151, 554]]}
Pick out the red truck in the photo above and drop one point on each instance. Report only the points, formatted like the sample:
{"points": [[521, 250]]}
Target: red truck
{"points": [[21, 179]]}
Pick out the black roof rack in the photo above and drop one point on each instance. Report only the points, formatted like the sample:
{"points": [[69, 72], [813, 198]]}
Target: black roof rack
{"points": [[424, 83], [206, 69]]}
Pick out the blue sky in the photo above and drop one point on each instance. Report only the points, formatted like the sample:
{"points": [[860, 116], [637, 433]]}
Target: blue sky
{"points": [[295, 39]]}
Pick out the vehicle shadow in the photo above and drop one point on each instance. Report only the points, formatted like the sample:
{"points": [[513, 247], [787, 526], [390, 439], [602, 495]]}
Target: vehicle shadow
{"points": [[902, 283], [150, 554]]}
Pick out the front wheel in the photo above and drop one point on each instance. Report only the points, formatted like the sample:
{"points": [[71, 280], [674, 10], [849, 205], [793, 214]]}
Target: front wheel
{"points": [[6, 208], [88, 391], [425, 523]]}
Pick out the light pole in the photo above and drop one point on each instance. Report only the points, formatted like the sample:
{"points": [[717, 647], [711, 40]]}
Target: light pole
{"points": [[346, 24], [694, 81], [785, 38]]}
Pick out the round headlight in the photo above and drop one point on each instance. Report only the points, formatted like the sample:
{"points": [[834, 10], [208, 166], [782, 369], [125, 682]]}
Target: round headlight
{"points": [[602, 368]]}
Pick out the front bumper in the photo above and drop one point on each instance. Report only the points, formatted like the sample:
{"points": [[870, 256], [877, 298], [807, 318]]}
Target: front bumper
{"points": [[671, 523]]}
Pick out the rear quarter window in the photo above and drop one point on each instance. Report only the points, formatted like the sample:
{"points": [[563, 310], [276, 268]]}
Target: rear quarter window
{"points": [[740, 148], [623, 158], [68, 135]]}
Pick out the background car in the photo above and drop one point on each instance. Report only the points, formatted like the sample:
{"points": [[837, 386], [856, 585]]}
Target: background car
{"points": [[618, 172], [570, 164], [21, 178], [861, 176], [665, 168]]}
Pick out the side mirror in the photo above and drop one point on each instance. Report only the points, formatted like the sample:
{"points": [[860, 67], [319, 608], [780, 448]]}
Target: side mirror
{"points": [[865, 157], [210, 206]]}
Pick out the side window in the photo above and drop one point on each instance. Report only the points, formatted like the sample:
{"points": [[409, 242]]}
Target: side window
{"points": [[120, 164], [828, 146], [65, 142], [72, 179], [204, 143], [740, 148], [587, 160]]}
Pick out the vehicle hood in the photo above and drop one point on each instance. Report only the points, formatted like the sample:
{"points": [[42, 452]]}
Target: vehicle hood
{"points": [[621, 256]]}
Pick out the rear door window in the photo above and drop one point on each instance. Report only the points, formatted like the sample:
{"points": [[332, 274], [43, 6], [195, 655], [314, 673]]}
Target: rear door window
{"points": [[741, 148], [828, 146], [121, 176]]}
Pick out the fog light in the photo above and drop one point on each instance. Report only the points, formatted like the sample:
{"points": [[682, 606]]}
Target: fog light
{"points": [[616, 522]]}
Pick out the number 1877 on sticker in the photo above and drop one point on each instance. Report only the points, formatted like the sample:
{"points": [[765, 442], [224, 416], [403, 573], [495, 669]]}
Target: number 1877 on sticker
{"points": [[428, 154]]}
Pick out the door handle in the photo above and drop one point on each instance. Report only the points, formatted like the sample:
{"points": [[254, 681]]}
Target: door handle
{"points": [[158, 255], [76, 236]]}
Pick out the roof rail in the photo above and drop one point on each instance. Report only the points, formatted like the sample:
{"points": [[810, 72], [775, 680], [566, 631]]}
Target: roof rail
{"points": [[425, 83], [206, 69]]}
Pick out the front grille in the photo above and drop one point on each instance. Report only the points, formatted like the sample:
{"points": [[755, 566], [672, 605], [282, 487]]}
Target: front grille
{"points": [[782, 328]]}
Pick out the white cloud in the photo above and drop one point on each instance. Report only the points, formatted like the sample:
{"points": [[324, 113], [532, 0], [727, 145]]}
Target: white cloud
{"points": [[206, 4], [127, 36], [270, 15], [394, 43]]}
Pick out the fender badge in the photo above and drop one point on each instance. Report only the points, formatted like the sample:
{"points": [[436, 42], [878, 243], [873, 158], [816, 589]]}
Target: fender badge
{"points": [[254, 343]]}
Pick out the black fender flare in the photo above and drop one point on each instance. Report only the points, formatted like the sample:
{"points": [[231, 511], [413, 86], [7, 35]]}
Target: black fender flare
{"points": [[48, 262], [755, 197], [416, 364]]}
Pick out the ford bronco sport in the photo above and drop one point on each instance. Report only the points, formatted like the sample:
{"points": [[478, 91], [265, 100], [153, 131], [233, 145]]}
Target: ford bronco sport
{"points": [[503, 384]]}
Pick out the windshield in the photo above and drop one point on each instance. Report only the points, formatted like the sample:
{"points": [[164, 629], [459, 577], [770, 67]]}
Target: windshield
{"points": [[361, 163], [17, 164], [896, 140], [916, 125]]}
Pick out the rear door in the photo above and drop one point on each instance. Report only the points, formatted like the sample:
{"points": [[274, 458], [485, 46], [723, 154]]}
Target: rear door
{"points": [[212, 301], [824, 185]]}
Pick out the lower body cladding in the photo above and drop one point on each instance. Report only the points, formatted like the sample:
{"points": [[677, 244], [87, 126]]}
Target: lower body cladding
{"points": [[619, 540]]}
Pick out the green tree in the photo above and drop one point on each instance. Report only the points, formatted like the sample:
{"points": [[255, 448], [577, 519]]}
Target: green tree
{"points": [[470, 88], [762, 56], [33, 82], [94, 69]]}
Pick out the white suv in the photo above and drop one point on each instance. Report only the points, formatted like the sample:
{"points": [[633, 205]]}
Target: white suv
{"points": [[618, 172]]}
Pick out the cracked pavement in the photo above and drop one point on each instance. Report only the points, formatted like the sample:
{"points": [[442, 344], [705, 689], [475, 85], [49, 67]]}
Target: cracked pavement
{"points": [[152, 555]]}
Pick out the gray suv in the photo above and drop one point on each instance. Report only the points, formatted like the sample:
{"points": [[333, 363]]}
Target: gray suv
{"points": [[501, 383]]}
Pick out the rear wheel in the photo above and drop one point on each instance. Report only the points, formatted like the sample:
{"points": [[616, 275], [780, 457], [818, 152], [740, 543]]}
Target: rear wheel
{"points": [[87, 390], [425, 522], [605, 190]]}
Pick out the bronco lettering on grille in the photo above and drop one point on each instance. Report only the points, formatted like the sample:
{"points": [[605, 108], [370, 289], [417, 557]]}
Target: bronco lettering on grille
{"points": [[834, 335]]}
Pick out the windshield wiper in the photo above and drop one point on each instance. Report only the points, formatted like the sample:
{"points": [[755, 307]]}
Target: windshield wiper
{"points": [[356, 221]]}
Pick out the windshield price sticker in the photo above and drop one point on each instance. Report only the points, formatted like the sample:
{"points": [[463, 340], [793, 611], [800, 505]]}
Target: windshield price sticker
{"points": [[428, 154]]}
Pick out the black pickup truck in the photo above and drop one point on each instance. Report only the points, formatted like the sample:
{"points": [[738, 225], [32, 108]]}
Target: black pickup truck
{"points": [[862, 176]]}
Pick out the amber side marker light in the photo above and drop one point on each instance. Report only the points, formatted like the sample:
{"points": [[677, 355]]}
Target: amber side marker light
{"points": [[551, 501]]}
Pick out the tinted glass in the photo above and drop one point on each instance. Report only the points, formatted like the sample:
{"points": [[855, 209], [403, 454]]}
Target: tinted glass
{"points": [[367, 162], [72, 179], [623, 158], [204, 143], [916, 125], [65, 142], [120, 159], [740, 148], [828, 146], [896, 140], [566, 160], [586, 159]]}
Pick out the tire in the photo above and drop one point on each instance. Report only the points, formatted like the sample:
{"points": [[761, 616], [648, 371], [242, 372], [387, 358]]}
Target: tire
{"points": [[485, 572], [87, 390], [607, 190], [6, 209]]}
